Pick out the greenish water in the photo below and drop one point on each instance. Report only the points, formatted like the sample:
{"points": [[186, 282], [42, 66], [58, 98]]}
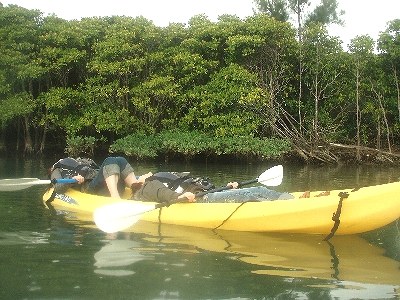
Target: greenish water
{"points": [[56, 256]]}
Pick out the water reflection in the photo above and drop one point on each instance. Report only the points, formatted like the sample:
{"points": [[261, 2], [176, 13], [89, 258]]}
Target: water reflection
{"points": [[347, 290], [117, 253], [23, 238], [347, 265], [300, 256]]}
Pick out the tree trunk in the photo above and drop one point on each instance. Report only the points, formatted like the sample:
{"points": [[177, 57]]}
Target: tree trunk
{"points": [[385, 120], [378, 134], [28, 148], [316, 108], [358, 112], [300, 86], [396, 79], [42, 143]]}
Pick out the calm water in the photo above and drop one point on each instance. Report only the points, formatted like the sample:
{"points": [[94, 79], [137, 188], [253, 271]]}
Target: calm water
{"points": [[48, 256]]}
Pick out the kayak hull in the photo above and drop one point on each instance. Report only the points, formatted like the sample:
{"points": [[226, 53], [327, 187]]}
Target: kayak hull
{"points": [[363, 210]]}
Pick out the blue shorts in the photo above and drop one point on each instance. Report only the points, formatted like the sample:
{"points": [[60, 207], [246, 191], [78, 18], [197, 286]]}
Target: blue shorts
{"points": [[111, 166]]}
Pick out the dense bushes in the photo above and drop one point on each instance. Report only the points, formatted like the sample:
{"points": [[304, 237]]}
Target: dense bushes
{"points": [[191, 144], [205, 88]]}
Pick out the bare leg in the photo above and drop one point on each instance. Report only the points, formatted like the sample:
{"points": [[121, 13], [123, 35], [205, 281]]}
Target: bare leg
{"points": [[130, 179], [112, 185]]}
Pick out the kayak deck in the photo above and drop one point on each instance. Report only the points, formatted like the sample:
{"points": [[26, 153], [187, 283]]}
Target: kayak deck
{"points": [[363, 210]]}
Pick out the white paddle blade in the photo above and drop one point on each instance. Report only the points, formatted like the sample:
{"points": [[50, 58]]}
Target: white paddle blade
{"points": [[272, 176], [119, 216], [17, 184]]}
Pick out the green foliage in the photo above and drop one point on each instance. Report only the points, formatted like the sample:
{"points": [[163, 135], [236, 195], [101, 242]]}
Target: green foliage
{"points": [[19, 40], [246, 146], [191, 144], [326, 12], [15, 106], [155, 101], [58, 101], [220, 101], [274, 8], [389, 41], [205, 88], [321, 59], [186, 143], [139, 146], [80, 145], [389, 44]]}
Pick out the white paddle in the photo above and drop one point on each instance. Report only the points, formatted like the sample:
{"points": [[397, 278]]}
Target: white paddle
{"points": [[121, 215], [17, 184]]}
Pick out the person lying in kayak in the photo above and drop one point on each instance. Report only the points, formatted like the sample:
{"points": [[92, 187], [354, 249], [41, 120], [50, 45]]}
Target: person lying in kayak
{"points": [[165, 186], [178, 182], [111, 178]]}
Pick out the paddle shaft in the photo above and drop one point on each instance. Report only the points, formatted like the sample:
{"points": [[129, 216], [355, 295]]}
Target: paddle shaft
{"points": [[64, 180], [17, 184]]}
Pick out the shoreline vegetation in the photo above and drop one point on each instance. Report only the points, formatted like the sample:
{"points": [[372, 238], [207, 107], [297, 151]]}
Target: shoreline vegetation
{"points": [[196, 146], [175, 145], [256, 89]]}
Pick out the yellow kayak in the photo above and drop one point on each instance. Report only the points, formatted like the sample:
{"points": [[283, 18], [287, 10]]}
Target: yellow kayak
{"points": [[349, 211]]}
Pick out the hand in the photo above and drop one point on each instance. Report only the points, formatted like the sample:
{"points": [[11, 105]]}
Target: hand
{"points": [[143, 177], [79, 178], [233, 185], [189, 196]]}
